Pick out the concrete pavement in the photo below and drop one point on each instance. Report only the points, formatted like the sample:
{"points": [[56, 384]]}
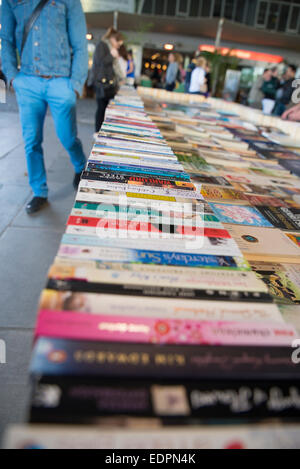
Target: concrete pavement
{"points": [[28, 245]]}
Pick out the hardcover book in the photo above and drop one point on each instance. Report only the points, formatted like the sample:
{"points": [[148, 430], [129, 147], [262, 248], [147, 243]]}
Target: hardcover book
{"points": [[264, 244]]}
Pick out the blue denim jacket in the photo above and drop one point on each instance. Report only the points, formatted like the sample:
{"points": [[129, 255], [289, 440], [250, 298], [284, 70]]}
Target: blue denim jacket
{"points": [[56, 45]]}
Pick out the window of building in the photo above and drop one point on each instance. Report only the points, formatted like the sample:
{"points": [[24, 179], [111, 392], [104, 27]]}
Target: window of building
{"points": [[273, 16], [147, 7], [171, 7], [194, 7], [229, 9], [218, 8], [283, 17], [206, 8], [182, 7], [262, 13], [159, 7], [240, 11], [293, 20]]}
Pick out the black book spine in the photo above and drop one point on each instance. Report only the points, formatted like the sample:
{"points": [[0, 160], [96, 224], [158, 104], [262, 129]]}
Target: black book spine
{"points": [[62, 357], [157, 291], [62, 399], [113, 176]]}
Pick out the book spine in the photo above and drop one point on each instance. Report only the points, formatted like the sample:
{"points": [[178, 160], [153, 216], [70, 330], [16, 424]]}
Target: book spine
{"points": [[77, 285], [105, 359], [135, 179], [85, 326], [191, 402], [133, 225]]}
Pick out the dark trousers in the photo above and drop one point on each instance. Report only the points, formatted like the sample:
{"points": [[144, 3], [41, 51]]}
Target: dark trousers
{"points": [[170, 86], [279, 109], [100, 113]]}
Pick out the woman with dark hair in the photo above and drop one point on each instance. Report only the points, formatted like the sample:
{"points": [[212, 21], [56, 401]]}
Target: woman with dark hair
{"points": [[106, 72]]}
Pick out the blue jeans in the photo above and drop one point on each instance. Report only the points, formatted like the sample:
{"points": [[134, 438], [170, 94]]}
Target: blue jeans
{"points": [[34, 94], [279, 109]]}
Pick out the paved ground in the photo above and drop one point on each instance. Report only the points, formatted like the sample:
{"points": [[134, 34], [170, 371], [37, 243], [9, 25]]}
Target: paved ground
{"points": [[28, 245]]}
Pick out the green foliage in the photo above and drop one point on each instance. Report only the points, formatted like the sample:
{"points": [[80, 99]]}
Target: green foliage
{"points": [[219, 65]]}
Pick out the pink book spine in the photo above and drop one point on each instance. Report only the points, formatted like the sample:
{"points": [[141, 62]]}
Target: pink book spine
{"points": [[83, 326]]}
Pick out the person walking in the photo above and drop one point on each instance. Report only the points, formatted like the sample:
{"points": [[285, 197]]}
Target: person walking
{"points": [[256, 95], [123, 61], [50, 37], [269, 89], [198, 81], [106, 72], [130, 68], [208, 79], [172, 72], [284, 94], [189, 71]]}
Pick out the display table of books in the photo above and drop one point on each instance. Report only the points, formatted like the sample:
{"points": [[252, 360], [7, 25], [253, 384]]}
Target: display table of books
{"points": [[171, 313]]}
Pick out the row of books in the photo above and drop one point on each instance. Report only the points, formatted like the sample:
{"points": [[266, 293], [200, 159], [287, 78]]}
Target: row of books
{"points": [[172, 303]]}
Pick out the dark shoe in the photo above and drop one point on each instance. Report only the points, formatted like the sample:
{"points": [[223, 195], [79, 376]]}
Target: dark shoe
{"points": [[76, 180], [36, 204]]}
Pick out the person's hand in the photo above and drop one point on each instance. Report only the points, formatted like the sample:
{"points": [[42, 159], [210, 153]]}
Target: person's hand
{"points": [[293, 116], [292, 113], [114, 52], [286, 114]]}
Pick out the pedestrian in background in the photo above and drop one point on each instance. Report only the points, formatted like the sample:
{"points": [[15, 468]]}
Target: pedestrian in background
{"points": [[256, 95], [269, 89], [274, 72], [189, 70], [123, 61], [106, 72], [180, 72], [198, 81], [156, 78], [54, 66], [172, 72], [130, 68], [284, 95], [208, 79]]}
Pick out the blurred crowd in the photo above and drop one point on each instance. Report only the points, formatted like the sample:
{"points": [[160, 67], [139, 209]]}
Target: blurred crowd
{"points": [[196, 77], [273, 93], [112, 66]]}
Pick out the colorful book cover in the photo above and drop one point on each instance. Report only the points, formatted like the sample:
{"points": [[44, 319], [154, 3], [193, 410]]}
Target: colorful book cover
{"points": [[282, 280], [257, 200], [258, 243], [82, 326], [254, 436], [284, 218], [295, 238], [150, 257], [240, 215], [216, 193], [167, 308], [62, 357]]}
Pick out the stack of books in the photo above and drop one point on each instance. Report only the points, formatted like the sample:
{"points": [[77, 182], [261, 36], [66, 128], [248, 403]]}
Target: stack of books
{"points": [[172, 302]]}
